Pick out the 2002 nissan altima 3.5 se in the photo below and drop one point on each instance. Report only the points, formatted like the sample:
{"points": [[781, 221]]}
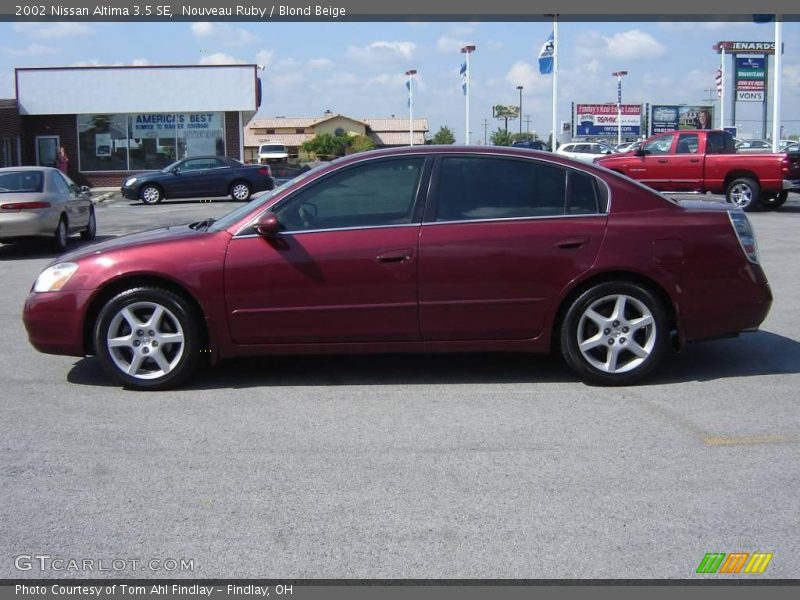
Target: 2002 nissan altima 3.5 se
{"points": [[423, 249]]}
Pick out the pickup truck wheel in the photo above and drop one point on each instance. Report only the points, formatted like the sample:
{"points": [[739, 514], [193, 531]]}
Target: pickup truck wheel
{"points": [[773, 202], [744, 193]]}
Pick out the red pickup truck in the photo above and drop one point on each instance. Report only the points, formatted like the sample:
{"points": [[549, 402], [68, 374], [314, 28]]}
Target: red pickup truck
{"points": [[706, 161]]}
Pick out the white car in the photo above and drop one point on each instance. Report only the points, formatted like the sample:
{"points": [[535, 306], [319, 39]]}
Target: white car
{"points": [[585, 151], [762, 146], [270, 152]]}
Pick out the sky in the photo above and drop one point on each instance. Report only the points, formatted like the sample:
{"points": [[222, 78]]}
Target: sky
{"points": [[357, 69]]}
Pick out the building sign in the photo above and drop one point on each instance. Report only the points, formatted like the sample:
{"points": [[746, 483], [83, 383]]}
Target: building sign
{"points": [[601, 120], [746, 47], [750, 68], [505, 111], [160, 124], [670, 117]]}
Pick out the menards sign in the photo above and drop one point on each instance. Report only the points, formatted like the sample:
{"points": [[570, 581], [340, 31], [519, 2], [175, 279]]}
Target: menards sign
{"points": [[745, 47]]}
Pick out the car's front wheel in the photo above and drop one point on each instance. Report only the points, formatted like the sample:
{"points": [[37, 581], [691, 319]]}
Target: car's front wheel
{"points": [[151, 194], [148, 338], [614, 333]]}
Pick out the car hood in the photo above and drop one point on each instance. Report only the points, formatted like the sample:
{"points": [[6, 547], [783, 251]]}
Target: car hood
{"points": [[161, 235]]}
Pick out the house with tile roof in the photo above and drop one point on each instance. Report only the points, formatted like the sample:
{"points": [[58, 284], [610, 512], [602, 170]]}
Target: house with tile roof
{"points": [[293, 131]]}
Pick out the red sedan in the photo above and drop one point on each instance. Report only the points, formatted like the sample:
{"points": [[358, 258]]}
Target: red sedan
{"points": [[414, 250]]}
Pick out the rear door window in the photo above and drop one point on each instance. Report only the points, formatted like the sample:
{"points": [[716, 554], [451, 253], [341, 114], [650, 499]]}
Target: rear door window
{"points": [[480, 188]]}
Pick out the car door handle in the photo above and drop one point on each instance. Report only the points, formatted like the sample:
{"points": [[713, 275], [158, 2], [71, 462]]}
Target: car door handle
{"points": [[662, 160], [694, 160], [395, 257], [575, 242]]}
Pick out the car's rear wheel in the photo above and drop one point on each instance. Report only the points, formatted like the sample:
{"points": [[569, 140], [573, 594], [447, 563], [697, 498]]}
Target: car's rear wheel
{"points": [[90, 232], [614, 333], [776, 201], [744, 193], [148, 338], [241, 191], [61, 235], [151, 194]]}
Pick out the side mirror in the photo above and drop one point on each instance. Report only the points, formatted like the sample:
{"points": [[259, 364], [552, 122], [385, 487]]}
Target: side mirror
{"points": [[175, 170], [268, 225], [85, 189], [639, 152]]}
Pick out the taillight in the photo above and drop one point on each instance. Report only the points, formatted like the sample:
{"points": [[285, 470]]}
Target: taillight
{"points": [[745, 234], [265, 171], [24, 205]]}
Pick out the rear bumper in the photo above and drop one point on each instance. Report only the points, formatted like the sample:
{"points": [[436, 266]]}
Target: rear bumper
{"points": [[27, 223], [790, 185], [54, 321]]}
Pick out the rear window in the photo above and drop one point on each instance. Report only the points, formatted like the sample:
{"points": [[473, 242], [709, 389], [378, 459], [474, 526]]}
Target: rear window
{"points": [[20, 181], [720, 142], [272, 148]]}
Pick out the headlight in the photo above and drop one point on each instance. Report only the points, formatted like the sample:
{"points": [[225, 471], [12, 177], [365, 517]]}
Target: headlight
{"points": [[130, 182], [54, 278]]}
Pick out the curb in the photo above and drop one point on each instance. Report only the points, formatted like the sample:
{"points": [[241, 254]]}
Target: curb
{"points": [[102, 197]]}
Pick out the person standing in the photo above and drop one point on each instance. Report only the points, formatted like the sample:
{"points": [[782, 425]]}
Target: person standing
{"points": [[62, 160]]}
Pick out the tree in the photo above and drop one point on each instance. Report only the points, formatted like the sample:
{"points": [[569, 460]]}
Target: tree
{"points": [[523, 137], [501, 137], [443, 136], [326, 145], [360, 143]]}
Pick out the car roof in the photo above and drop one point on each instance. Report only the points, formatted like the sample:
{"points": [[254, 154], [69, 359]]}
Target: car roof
{"points": [[27, 168]]}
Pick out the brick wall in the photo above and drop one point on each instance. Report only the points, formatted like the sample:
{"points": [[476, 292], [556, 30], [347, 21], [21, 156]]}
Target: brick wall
{"points": [[232, 134], [11, 128]]}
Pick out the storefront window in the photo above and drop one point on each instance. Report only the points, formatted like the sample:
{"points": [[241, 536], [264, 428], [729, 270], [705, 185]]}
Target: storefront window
{"points": [[201, 134], [103, 142], [152, 140]]}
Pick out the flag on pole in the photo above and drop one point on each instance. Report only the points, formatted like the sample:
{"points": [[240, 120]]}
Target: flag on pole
{"points": [[463, 72], [719, 82], [546, 56]]}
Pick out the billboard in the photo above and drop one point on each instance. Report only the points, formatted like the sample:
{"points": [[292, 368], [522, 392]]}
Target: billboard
{"points": [[601, 120], [751, 79], [669, 117], [505, 111]]}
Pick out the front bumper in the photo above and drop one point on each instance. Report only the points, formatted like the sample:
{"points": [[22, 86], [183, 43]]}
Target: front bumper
{"points": [[131, 193], [54, 321]]}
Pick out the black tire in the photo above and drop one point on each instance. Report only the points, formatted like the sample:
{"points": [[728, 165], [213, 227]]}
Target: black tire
{"points": [[241, 191], [61, 235], [639, 349], [776, 201], [151, 194], [744, 193], [178, 318], [90, 232]]}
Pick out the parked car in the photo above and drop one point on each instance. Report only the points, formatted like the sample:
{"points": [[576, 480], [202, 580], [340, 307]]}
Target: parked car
{"points": [[199, 176], [793, 147], [424, 249], [531, 145], [761, 146], [627, 146], [703, 161], [273, 152], [585, 151], [42, 202], [782, 144]]}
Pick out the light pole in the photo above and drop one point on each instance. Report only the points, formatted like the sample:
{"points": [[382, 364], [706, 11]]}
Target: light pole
{"points": [[410, 74], [467, 50], [619, 75], [519, 87]]}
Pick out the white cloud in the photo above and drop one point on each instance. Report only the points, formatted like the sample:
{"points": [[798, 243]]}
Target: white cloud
{"points": [[264, 58], [29, 50], [382, 50], [791, 74], [285, 80], [52, 30], [227, 35], [140, 62], [320, 63], [627, 45], [528, 76], [93, 62], [219, 58], [450, 45]]}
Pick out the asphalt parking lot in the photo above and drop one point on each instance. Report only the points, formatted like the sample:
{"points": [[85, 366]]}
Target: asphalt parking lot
{"points": [[446, 466]]}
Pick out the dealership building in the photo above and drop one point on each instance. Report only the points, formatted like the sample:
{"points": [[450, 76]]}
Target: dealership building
{"points": [[116, 121]]}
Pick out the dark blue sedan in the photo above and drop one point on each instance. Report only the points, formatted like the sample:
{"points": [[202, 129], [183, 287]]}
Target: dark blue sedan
{"points": [[199, 176]]}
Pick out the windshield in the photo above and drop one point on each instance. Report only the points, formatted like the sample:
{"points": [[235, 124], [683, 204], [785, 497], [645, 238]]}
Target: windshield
{"points": [[272, 148], [259, 200], [20, 181]]}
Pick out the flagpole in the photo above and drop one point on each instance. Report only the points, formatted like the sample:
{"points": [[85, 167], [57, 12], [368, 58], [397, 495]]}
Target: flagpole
{"points": [[466, 50], [553, 145], [410, 75], [722, 93], [776, 100]]}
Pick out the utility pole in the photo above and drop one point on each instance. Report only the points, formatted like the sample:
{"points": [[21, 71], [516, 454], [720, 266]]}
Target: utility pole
{"points": [[528, 123], [485, 131]]}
